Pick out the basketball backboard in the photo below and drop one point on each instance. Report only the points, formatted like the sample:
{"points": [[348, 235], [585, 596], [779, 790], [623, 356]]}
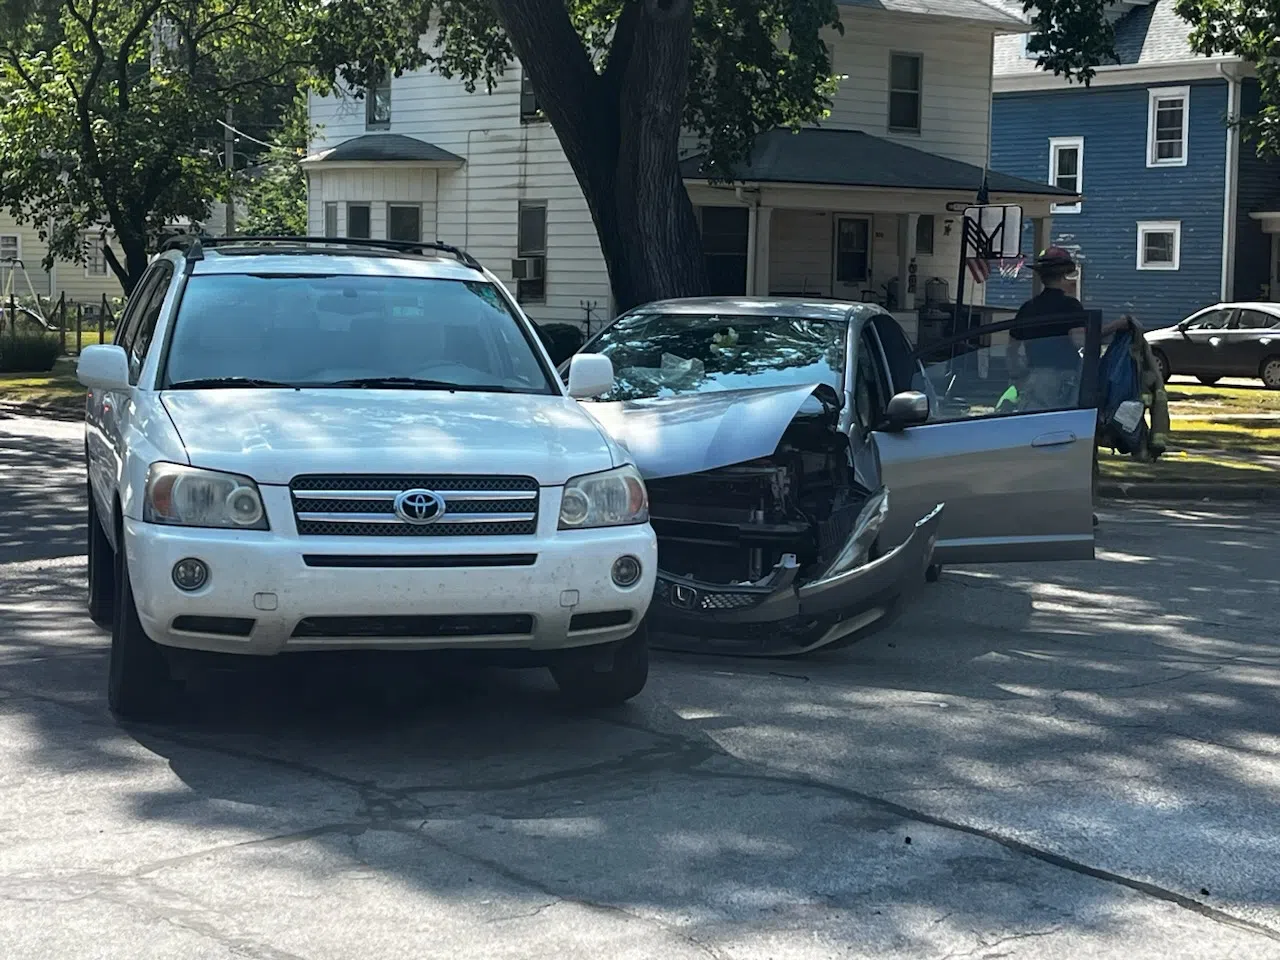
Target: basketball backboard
{"points": [[995, 230]]}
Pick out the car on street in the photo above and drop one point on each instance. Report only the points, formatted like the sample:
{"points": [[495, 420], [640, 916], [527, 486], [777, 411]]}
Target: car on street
{"points": [[318, 445], [1225, 340], [806, 466]]}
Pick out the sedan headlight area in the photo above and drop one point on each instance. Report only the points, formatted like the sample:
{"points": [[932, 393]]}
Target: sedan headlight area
{"points": [[190, 497], [613, 498]]}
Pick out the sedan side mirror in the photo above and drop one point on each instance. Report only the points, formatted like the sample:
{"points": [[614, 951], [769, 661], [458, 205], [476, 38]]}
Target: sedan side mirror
{"points": [[907, 409], [103, 366], [590, 375]]}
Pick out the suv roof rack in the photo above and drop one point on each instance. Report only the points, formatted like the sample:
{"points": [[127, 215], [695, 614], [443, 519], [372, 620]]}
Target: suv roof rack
{"points": [[193, 245]]}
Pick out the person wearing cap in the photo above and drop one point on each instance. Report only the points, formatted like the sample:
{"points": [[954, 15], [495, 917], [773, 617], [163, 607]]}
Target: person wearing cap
{"points": [[1049, 358], [1049, 354]]}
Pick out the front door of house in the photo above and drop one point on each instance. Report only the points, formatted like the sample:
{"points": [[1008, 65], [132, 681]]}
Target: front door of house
{"points": [[724, 249], [851, 256]]}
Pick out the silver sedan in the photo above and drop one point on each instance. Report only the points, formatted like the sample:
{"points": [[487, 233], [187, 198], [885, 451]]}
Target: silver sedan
{"points": [[807, 466]]}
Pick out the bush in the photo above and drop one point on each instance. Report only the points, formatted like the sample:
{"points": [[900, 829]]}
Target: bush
{"points": [[562, 340], [28, 352]]}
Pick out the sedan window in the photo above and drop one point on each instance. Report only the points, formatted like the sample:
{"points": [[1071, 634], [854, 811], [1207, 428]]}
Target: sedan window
{"points": [[1256, 320], [1213, 320], [351, 331], [663, 355]]}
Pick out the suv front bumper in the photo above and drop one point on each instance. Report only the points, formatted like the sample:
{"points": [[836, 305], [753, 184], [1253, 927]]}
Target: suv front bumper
{"points": [[268, 593]]}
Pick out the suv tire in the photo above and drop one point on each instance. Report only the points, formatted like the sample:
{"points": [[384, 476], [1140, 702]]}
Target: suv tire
{"points": [[605, 678], [139, 686], [102, 564]]}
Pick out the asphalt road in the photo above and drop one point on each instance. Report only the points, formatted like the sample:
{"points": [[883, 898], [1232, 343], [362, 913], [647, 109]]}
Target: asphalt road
{"points": [[1079, 760]]}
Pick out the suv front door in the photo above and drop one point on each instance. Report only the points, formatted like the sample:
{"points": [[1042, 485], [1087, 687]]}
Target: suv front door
{"points": [[1018, 483]]}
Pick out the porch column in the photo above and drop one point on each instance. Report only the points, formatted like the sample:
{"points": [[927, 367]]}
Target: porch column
{"points": [[907, 224], [1043, 229], [758, 282]]}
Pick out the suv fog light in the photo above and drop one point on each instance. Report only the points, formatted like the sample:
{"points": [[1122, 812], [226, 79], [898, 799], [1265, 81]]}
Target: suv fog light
{"points": [[190, 574], [626, 571]]}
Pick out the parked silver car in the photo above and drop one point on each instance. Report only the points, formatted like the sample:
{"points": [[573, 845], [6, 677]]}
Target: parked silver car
{"points": [[806, 466], [1225, 340]]}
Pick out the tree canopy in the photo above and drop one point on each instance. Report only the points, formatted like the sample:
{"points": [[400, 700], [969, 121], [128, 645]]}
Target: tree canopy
{"points": [[114, 108]]}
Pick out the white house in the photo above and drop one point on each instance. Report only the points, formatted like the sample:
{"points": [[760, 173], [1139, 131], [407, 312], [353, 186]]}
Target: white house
{"points": [[846, 210]]}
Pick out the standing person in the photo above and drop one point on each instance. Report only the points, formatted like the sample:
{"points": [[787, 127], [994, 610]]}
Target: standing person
{"points": [[1050, 354]]}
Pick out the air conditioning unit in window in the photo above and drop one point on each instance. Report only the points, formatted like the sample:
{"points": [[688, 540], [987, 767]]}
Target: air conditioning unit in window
{"points": [[528, 268]]}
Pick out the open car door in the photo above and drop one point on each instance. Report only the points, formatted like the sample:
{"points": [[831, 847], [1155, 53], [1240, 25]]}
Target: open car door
{"points": [[1016, 476]]}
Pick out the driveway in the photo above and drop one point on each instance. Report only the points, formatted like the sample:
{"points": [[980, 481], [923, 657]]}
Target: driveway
{"points": [[1068, 761]]}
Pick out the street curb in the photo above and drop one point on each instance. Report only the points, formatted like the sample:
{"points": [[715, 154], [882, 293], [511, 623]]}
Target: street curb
{"points": [[1190, 491]]}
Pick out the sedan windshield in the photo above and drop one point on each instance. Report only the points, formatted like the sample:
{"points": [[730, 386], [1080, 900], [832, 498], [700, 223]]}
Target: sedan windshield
{"points": [[372, 332], [664, 355]]}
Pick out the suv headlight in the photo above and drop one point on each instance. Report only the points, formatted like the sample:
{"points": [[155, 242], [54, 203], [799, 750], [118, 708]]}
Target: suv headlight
{"points": [[613, 498], [190, 497]]}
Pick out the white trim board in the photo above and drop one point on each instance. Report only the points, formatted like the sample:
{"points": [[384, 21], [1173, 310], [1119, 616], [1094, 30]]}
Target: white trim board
{"points": [[1128, 75]]}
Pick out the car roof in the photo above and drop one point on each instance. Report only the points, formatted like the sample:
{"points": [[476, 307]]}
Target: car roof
{"points": [[799, 307], [1264, 306], [376, 263]]}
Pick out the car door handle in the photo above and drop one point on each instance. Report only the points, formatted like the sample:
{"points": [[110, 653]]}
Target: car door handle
{"points": [[1215, 341], [1054, 439]]}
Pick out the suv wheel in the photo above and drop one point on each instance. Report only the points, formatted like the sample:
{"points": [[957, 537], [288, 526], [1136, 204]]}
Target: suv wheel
{"points": [[102, 561], [139, 686], [605, 678]]}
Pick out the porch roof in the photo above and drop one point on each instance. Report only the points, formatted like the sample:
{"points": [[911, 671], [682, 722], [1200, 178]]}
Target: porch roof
{"points": [[393, 147], [851, 158]]}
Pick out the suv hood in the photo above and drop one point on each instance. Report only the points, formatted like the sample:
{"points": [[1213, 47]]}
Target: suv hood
{"points": [[273, 435]]}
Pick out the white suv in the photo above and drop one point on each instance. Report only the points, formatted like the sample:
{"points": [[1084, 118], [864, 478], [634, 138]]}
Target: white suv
{"points": [[331, 445]]}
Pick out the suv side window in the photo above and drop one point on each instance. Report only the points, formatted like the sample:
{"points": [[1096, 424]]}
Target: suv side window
{"points": [[127, 328], [148, 313]]}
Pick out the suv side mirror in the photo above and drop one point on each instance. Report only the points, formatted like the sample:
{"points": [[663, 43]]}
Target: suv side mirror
{"points": [[103, 366], [907, 409], [590, 374]]}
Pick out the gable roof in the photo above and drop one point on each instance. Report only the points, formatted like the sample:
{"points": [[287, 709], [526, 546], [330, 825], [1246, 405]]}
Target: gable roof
{"points": [[373, 147], [1148, 34], [851, 158], [994, 12]]}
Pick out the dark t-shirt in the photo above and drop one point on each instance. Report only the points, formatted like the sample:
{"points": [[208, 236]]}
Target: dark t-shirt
{"points": [[1048, 343]]}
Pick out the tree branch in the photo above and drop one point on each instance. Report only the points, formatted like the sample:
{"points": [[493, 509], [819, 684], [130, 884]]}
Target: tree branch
{"points": [[624, 41], [126, 46]]}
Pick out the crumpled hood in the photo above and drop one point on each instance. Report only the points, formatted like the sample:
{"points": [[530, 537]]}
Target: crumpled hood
{"points": [[273, 435], [675, 436]]}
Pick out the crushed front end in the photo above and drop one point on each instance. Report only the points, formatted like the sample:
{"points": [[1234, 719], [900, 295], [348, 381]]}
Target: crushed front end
{"points": [[779, 555]]}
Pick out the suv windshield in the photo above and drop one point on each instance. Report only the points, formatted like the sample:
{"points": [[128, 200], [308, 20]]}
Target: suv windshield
{"points": [[663, 355], [263, 330]]}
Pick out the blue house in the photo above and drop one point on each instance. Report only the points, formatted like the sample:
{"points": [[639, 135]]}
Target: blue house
{"points": [[1177, 210]]}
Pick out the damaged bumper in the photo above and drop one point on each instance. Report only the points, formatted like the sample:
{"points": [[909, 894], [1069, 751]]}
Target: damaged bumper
{"points": [[780, 617]]}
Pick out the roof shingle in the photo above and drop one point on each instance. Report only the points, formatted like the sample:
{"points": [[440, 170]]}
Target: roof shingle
{"points": [[385, 146], [851, 158]]}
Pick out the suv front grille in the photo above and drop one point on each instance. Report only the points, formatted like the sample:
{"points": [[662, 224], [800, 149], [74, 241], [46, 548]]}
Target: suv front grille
{"points": [[364, 506]]}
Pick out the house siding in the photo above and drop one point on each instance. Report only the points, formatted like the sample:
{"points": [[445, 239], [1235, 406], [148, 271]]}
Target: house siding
{"points": [[1120, 190], [508, 161], [65, 278], [1258, 189]]}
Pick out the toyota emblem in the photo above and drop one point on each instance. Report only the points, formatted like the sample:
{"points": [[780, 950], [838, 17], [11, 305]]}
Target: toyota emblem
{"points": [[419, 507]]}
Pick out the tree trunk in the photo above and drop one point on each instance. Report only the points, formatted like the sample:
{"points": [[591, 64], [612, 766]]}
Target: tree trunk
{"points": [[135, 260], [620, 130]]}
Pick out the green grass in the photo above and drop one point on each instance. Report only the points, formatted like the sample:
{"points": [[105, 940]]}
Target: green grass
{"points": [[1196, 401], [58, 386], [1202, 451]]}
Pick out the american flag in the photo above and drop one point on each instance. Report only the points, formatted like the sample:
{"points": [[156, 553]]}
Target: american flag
{"points": [[979, 267]]}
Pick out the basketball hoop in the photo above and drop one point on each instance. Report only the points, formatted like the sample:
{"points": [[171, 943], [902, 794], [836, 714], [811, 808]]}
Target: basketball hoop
{"points": [[1010, 267]]}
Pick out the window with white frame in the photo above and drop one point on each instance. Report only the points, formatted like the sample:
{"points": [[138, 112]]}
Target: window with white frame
{"points": [[529, 267], [1159, 244], [1066, 169], [377, 100], [905, 87], [1167, 127], [95, 261], [330, 219], [10, 247]]}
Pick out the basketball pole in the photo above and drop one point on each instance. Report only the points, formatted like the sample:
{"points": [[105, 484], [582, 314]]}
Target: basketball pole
{"points": [[984, 198]]}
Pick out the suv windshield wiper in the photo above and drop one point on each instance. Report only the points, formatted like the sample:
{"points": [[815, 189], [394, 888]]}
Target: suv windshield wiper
{"points": [[415, 383], [209, 383]]}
